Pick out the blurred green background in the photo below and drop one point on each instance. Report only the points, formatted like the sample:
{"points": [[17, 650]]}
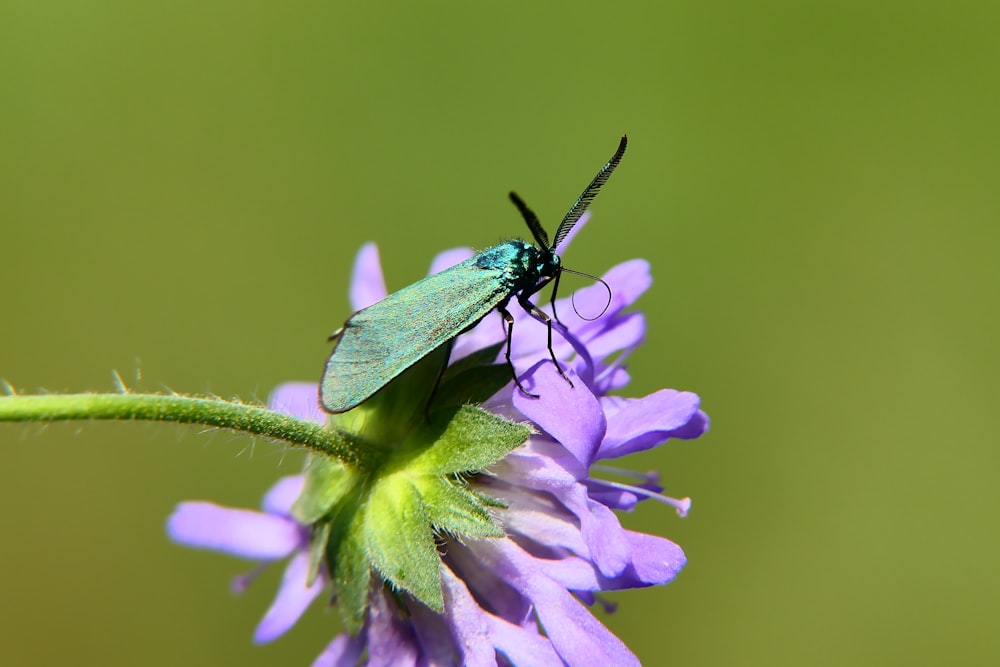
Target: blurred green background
{"points": [[183, 187]]}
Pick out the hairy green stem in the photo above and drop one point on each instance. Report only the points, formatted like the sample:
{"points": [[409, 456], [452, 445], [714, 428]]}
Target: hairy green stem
{"points": [[214, 412]]}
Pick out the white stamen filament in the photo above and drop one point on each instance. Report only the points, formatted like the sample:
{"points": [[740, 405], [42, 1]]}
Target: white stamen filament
{"points": [[682, 505]]}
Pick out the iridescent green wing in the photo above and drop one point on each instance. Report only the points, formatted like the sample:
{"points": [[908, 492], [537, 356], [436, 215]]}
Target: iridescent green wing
{"points": [[380, 342]]}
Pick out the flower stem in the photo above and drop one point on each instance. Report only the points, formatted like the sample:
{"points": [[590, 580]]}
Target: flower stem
{"points": [[214, 412]]}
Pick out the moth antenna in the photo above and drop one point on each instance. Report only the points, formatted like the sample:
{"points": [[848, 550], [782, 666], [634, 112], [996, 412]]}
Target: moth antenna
{"points": [[573, 297]]}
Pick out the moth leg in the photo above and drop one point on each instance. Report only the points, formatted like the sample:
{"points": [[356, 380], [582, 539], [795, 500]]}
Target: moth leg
{"points": [[530, 292], [509, 320], [540, 314], [555, 291]]}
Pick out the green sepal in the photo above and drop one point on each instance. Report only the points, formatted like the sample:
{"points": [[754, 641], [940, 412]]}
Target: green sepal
{"points": [[472, 379], [488, 501], [319, 539], [400, 408], [482, 357], [467, 439], [327, 483], [400, 542], [331, 501], [386, 513], [351, 569], [456, 510], [472, 386]]}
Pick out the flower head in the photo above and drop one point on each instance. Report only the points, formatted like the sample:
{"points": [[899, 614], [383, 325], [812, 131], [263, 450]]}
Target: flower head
{"points": [[466, 543]]}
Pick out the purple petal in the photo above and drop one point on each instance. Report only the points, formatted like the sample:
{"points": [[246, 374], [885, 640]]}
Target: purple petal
{"points": [[571, 415], [589, 305], [603, 538], [612, 332], [283, 494], [488, 332], [343, 651], [616, 499], [531, 336], [449, 258], [577, 636], [694, 428], [646, 422], [238, 532], [601, 530], [611, 378], [480, 634], [627, 280], [542, 465], [622, 333], [437, 647], [367, 281], [297, 399], [486, 584], [655, 560], [294, 597], [523, 646], [540, 517], [572, 572], [390, 642], [612, 405], [469, 623]]}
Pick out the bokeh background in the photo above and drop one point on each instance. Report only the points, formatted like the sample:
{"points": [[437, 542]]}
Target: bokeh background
{"points": [[183, 187]]}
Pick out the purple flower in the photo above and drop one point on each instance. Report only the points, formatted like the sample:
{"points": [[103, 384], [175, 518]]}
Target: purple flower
{"points": [[266, 536], [522, 592]]}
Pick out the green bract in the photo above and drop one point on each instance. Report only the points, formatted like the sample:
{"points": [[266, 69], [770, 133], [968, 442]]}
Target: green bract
{"points": [[387, 514]]}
